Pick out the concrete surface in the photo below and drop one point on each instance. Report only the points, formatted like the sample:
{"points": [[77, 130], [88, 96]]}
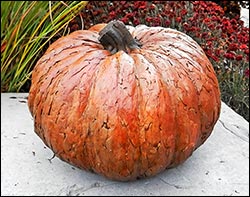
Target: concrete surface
{"points": [[219, 167]]}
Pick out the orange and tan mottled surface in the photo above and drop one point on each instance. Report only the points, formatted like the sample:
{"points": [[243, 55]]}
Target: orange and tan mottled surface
{"points": [[126, 115]]}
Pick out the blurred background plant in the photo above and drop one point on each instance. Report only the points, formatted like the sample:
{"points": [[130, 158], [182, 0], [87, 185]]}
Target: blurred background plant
{"points": [[216, 27], [27, 28], [232, 8]]}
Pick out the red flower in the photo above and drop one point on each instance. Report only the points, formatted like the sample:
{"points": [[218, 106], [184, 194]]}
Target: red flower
{"points": [[210, 55], [171, 15], [112, 14], [241, 22], [167, 23], [183, 12], [152, 7], [207, 20], [233, 47], [209, 44], [211, 26], [186, 26], [198, 35], [230, 30], [130, 15], [215, 18], [204, 34], [157, 21], [246, 51], [247, 72], [218, 52], [215, 58], [239, 57], [178, 19], [142, 7], [229, 55], [232, 38], [140, 4], [124, 20], [148, 19], [123, 2], [226, 22], [136, 22], [243, 46], [102, 3], [97, 12]]}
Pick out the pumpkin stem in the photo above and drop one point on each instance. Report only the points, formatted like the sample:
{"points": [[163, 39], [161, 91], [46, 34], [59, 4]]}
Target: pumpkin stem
{"points": [[115, 37]]}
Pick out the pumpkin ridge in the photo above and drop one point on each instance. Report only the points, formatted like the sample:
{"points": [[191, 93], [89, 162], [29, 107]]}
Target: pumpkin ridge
{"points": [[120, 82], [134, 171], [138, 94], [118, 109], [148, 56], [177, 130], [94, 153], [195, 90], [144, 128], [138, 98], [91, 89], [63, 72], [75, 87], [80, 67], [47, 70]]}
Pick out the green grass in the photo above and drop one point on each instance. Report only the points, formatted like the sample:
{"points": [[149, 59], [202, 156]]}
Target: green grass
{"points": [[26, 28]]}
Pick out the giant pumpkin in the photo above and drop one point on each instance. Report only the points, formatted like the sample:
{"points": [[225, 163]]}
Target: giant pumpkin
{"points": [[124, 102]]}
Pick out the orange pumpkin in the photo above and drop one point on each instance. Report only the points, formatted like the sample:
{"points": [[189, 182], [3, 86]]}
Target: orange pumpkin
{"points": [[125, 102]]}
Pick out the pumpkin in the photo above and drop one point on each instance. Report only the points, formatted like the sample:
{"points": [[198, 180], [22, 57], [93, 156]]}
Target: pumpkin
{"points": [[124, 102]]}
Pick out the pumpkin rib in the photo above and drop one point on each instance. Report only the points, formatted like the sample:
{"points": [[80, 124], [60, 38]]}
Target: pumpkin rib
{"points": [[138, 99], [135, 171], [74, 88], [120, 82], [117, 87], [154, 53], [45, 71], [140, 131], [136, 92], [146, 53], [96, 63], [102, 68], [76, 39], [143, 95], [91, 152], [89, 94], [55, 85], [193, 97], [198, 91]]}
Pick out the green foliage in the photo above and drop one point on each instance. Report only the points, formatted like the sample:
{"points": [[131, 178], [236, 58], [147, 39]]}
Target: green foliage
{"points": [[26, 28]]}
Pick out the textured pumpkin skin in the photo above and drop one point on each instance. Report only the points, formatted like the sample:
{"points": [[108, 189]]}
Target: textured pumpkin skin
{"points": [[124, 116]]}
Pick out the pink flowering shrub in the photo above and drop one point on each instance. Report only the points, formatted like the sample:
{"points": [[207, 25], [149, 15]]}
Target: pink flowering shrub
{"points": [[224, 40]]}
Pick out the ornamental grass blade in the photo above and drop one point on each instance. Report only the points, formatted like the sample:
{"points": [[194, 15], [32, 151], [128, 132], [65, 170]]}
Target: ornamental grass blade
{"points": [[26, 29]]}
